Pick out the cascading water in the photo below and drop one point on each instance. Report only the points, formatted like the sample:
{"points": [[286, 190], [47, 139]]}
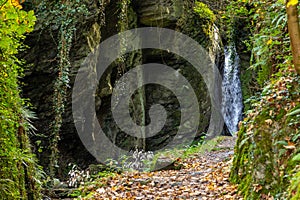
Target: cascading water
{"points": [[232, 102]]}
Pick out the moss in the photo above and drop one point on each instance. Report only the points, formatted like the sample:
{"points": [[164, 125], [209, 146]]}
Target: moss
{"points": [[204, 12], [240, 159], [261, 163], [160, 13], [197, 22], [246, 80], [183, 152], [18, 171]]}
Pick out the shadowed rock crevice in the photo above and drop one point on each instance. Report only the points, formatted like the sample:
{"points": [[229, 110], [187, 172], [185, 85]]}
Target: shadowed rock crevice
{"points": [[103, 21]]}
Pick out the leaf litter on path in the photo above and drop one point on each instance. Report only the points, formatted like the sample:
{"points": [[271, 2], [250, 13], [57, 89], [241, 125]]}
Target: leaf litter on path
{"points": [[202, 177]]}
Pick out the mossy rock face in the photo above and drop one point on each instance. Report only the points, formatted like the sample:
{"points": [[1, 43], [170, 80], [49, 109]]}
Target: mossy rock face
{"points": [[98, 25], [40, 78], [159, 13], [261, 164]]}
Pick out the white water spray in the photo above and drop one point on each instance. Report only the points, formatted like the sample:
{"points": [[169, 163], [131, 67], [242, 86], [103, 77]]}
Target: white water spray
{"points": [[232, 100]]}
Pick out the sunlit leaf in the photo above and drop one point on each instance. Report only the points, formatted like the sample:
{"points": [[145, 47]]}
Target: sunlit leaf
{"points": [[296, 157], [292, 3]]}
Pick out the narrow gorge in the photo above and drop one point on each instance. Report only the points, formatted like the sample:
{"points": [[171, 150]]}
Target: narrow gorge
{"points": [[102, 20], [149, 99]]}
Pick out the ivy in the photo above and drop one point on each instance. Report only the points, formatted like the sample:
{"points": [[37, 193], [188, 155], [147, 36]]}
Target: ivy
{"points": [[270, 131], [269, 42], [267, 137], [64, 16]]}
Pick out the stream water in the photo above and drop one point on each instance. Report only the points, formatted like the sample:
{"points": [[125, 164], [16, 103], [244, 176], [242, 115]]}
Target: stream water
{"points": [[232, 100]]}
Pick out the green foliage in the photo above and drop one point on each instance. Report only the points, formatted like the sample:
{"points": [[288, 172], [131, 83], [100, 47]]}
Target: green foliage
{"points": [[294, 173], [258, 27], [236, 28], [203, 146], [18, 171], [269, 134], [269, 41], [204, 11], [294, 189], [235, 20], [97, 181]]}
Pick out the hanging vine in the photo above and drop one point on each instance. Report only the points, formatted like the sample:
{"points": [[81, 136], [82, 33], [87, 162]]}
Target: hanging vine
{"points": [[65, 15], [60, 87], [68, 19]]}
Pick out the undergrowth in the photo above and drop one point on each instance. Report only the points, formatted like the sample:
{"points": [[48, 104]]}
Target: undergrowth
{"points": [[268, 139]]}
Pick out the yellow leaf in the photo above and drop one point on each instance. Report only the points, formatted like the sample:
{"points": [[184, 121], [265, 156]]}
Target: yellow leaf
{"points": [[16, 3], [292, 3]]}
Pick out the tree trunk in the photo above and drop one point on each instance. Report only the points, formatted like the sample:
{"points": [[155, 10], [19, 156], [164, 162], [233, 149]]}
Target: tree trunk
{"points": [[294, 32]]}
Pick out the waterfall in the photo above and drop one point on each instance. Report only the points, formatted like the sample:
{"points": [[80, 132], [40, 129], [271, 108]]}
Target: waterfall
{"points": [[232, 105]]}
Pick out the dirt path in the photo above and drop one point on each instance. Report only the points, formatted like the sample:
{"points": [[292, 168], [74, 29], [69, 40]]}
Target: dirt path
{"points": [[203, 176]]}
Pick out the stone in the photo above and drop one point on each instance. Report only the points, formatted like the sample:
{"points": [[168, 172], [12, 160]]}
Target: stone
{"points": [[39, 79], [166, 163], [162, 13]]}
